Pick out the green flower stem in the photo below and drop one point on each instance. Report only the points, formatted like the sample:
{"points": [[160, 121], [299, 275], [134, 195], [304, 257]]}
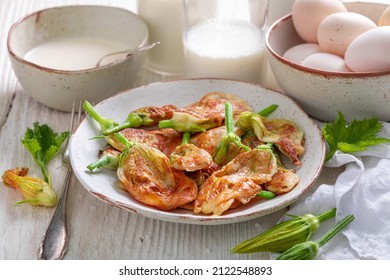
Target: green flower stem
{"points": [[268, 110], [109, 126], [103, 122], [133, 120], [221, 153], [122, 139], [337, 228], [229, 118], [266, 194], [117, 128], [326, 215], [107, 161], [186, 137], [97, 165]]}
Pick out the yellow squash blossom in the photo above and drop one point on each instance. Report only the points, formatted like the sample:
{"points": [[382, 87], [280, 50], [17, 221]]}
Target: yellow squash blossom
{"points": [[34, 190]]}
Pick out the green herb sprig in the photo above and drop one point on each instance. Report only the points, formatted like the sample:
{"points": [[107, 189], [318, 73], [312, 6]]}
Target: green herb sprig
{"points": [[352, 137], [43, 144]]}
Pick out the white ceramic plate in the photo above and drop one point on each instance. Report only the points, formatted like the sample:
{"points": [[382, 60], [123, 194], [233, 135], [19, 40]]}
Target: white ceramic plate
{"points": [[181, 93]]}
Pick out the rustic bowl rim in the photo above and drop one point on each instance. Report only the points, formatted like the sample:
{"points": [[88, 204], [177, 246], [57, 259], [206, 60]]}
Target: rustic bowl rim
{"points": [[60, 71], [328, 74]]}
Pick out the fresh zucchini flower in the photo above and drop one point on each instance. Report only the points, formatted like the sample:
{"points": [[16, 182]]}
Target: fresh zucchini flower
{"points": [[308, 250], [34, 190], [284, 235]]}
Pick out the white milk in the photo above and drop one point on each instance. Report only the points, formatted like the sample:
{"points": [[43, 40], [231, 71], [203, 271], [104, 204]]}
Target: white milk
{"points": [[73, 53], [225, 49], [165, 20]]}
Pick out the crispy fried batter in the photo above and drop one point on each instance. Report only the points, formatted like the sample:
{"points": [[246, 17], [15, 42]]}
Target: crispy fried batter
{"points": [[166, 139], [291, 138], [212, 106], [189, 157], [282, 182], [149, 178], [239, 180]]}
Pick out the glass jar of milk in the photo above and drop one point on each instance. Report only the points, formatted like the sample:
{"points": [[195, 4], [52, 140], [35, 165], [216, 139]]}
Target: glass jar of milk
{"points": [[165, 20], [225, 39]]}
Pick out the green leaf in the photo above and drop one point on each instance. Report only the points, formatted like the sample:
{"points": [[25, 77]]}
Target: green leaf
{"points": [[43, 144], [352, 137]]}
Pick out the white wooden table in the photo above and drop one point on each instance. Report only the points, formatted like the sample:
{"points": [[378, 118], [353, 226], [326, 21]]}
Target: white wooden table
{"points": [[97, 230]]}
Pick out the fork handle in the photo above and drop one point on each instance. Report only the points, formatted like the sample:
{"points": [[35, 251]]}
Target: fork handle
{"points": [[55, 242]]}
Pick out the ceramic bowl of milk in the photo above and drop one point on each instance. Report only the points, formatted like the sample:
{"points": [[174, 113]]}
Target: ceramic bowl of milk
{"points": [[54, 53]]}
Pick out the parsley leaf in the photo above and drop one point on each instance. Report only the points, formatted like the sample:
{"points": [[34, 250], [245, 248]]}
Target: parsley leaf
{"points": [[352, 137], [43, 144]]}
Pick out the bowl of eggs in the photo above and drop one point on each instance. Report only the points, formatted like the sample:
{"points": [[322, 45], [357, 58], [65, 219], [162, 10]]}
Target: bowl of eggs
{"points": [[55, 52], [333, 56]]}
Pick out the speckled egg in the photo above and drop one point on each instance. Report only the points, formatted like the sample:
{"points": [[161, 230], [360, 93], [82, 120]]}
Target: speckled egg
{"points": [[338, 30]]}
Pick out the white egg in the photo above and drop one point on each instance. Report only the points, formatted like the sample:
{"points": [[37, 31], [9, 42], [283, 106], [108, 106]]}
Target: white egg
{"points": [[370, 52], [308, 14], [326, 62], [384, 19], [338, 30], [299, 52]]}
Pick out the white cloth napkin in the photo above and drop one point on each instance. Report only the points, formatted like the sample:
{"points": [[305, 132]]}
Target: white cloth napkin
{"points": [[362, 189]]}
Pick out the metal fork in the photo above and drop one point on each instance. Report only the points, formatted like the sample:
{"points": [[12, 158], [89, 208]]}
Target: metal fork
{"points": [[55, 241]]}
